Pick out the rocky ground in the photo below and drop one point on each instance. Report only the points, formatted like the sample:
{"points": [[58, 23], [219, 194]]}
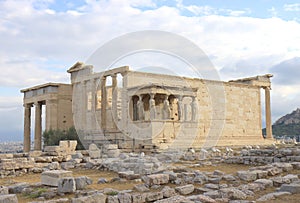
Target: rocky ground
{"points": [[250, 174]]}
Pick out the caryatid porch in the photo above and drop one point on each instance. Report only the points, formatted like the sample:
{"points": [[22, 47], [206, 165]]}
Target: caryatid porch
{"points": [[156, 102]]}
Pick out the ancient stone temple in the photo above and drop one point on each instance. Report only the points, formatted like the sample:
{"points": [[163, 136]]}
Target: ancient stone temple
{"points": [[57, 99], [139, 110]]}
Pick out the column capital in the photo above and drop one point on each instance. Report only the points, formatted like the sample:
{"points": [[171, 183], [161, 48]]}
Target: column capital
{"points": [[27, 105], [114, 75], [124, 73]]}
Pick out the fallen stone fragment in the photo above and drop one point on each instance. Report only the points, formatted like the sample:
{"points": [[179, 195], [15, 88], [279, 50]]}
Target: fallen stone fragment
{"points": [[94, 198], [124, 197], [175, 199], [233, 193], [82, 182], [51, 178], [141, 188], [12, 198], [168, 192], [265, 182], [153, 196], [185, 190], [201, 198], [17, 188], [247, 175], [293, 188], [66, 185], [3, 190], [271, 196], [156, 179]]}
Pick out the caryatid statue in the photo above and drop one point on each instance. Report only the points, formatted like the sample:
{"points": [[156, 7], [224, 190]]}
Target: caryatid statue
{"points": [[140, 106], [166, 108]]}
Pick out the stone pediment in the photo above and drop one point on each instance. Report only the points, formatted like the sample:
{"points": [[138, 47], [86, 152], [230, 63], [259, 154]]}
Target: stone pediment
{"points": [[76, 67]]}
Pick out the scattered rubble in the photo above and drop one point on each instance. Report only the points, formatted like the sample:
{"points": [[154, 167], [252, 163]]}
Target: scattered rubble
{"points": [[156, 181]]}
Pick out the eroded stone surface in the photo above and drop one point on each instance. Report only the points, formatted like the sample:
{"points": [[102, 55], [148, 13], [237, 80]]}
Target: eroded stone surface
{"points": [[51, 178]]}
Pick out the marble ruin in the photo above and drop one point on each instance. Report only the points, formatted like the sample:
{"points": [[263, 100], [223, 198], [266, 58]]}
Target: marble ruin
{"points": [[146, 111], [58, 101]]}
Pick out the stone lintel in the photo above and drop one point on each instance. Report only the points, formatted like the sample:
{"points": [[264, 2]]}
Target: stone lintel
{"points": [[121, 70], [42, 86], [260, 80]]}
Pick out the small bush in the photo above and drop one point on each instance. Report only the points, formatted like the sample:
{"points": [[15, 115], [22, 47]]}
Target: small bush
{"points": [[112, 193], [52, 137]]}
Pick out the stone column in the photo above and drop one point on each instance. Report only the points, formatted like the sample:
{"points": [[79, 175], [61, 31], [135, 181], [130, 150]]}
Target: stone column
{"points": [[27, 127], [115, 99], [180, 108], [103, 102], [124, 103], [38, 126], [268, 113]]}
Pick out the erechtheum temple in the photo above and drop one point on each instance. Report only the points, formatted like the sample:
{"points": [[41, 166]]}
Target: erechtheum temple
{"points": [[139, 110]]}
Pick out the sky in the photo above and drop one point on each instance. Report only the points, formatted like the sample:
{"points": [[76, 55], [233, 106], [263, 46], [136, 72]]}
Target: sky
{"points": [[41, 39]]}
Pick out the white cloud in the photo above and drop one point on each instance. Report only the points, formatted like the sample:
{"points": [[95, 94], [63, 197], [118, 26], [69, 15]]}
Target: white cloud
{"points": [[292, 7], [38, 43]]}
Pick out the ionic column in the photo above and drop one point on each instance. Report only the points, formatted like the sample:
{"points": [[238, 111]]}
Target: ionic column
{"points": [[114, 98], [27, 127], [103, 102], [268, 113], [38, 126]]}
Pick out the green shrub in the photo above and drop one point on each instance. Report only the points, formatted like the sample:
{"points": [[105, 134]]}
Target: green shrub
{"points": [[52, 137]]}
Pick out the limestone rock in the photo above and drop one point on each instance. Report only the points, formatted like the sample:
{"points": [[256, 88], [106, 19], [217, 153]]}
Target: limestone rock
{"points": [[17, 188], [124, 197], [138, 197], [67, 165], [201, 198], [293, 188], [94, 151], [51, 178], [175, 199], [12, 198], [233, 193], [265, 182], [274, 171], [247, 175], [156, 179], [66, 185], [3, 190], [185, 190], [82, 182], [53, 166], [112, 199], [102, 181], [141, 188], [168, 192], [94, 198], [153, 196], [271, 196]]}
